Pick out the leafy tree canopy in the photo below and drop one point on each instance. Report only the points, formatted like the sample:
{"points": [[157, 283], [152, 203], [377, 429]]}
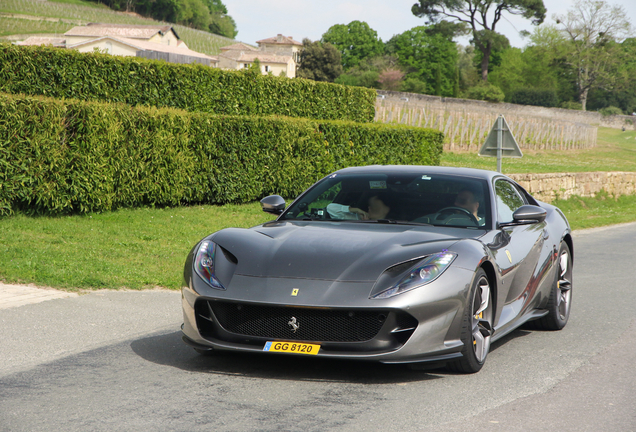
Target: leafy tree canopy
{"points": [[208, 15], [355, 41], [479, 15], [448, 29], [428, 56], [592, 29], [319, 61], [499, 44], [623, 94]]}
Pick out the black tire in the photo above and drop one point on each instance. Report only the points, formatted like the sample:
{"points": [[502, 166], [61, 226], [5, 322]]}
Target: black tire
{"points": [[560, 299], [476, 326]]}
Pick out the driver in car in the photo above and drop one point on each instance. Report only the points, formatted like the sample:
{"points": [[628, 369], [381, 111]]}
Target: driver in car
{"points": [[466, 199]]}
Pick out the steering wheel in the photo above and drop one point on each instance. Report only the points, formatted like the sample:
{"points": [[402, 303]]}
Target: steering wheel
{"points": [[456, 210]]}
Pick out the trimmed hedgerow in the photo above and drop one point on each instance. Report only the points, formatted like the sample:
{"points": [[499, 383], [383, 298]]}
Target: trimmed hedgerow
{"points": [[61, 73], [69, 156], [536, 97]]}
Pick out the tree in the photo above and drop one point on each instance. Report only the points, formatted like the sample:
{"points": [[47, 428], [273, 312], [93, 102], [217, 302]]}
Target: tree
{"points": [[223, 25], [540, 66], [319, 61], [367, 72], [220, 22], [593, 29], [422, 53], [499, 44], [447, 29], [476, 13], [511, 75], [359, 77], [209, 15], [623, 94], [355, 41], [391, 79], [468, 76], [413, 85]]}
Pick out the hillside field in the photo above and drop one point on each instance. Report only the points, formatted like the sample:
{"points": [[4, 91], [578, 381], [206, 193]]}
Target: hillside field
{"points": [[20, 19]]}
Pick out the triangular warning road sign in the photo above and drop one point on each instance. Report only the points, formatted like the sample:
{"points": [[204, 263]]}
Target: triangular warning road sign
{"points": [[501, 137]]}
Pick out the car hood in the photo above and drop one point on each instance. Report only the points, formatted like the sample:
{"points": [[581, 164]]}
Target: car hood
{"points": [[344, 251]]}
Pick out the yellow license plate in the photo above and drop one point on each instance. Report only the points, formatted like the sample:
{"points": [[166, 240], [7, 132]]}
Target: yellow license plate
{"points": [[291, 347]]}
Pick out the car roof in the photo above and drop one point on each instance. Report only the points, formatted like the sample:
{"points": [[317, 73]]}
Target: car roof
{"points": [[423, 169]]}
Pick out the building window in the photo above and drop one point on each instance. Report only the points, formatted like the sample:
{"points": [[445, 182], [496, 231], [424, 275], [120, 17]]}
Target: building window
{"points": [[246, 65], [266, 68]]}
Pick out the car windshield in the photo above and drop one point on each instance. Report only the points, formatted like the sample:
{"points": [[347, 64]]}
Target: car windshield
{"points": [[414, 198]]}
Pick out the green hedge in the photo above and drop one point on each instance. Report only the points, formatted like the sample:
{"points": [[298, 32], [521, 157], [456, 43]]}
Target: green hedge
{"points": [[68, 156], [62, 73], [536, 97]]}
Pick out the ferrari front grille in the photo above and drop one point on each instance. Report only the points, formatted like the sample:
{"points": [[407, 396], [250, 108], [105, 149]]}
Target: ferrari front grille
{"points": [[294, 323]]}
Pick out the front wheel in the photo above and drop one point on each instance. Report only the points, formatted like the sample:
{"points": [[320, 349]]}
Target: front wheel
{"points": [[477, 326]]}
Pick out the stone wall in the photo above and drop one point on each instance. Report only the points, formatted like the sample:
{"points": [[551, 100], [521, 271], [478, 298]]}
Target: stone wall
{"points": [[546, 187], [619, 122]]}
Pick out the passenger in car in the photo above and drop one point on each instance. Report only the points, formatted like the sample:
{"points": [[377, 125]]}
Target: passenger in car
{"points": [[345, 212], [377, 208]]}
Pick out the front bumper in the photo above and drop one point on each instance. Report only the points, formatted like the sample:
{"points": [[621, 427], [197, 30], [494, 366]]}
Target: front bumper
{"points": [[421, 325]]}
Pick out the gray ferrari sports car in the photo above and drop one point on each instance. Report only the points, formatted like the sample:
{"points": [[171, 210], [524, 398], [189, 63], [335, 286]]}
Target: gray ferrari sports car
{"points": [[395, 264]]}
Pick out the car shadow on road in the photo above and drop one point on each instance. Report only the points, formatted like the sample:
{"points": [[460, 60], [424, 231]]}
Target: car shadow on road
{"points": [[518, 333], [169, 350]]}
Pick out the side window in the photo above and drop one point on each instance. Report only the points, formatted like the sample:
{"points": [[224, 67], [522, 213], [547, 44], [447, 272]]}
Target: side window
{"points": [[326, 197], [508, 200]]}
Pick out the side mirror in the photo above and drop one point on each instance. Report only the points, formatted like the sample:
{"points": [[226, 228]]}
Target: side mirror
{"points": [[526, 215], [274, 204]]}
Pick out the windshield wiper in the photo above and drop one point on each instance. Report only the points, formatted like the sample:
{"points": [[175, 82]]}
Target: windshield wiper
{"points": [[309, 218], [395, 221]]}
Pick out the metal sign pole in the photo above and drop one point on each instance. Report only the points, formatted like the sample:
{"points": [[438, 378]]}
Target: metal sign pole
{"points": [[499, 143]]}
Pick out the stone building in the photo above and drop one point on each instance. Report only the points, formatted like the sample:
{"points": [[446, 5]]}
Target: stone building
{"points": [[281, 45], [278, 55], [159, 42]]}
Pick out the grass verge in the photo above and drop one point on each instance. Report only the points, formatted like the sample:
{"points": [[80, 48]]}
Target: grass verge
{"points": [[130, 248], [615, 151], [600, 210], [146, 248]]}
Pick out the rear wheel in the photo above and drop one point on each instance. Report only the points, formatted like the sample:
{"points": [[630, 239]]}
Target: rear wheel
{"points": [[560, 296], [476, 327]]}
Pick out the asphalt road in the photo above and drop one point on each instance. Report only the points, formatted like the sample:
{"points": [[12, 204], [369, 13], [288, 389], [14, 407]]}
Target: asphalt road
{"points": [[114, 361]]}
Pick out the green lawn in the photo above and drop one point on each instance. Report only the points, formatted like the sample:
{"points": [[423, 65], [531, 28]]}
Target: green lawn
{"points": [[129, 248], [598, 211], [615, 151], [145, 248]]}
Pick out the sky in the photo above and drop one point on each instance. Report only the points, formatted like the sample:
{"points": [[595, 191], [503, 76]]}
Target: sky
{"points": [[261, 19]]}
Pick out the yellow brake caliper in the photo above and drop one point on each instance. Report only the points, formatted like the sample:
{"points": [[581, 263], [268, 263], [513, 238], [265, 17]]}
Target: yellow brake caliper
{"points": [[480, 316]]}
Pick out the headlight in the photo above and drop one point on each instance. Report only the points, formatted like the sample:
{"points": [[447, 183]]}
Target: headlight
{"points": [[425, 272], [204, 264]]}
